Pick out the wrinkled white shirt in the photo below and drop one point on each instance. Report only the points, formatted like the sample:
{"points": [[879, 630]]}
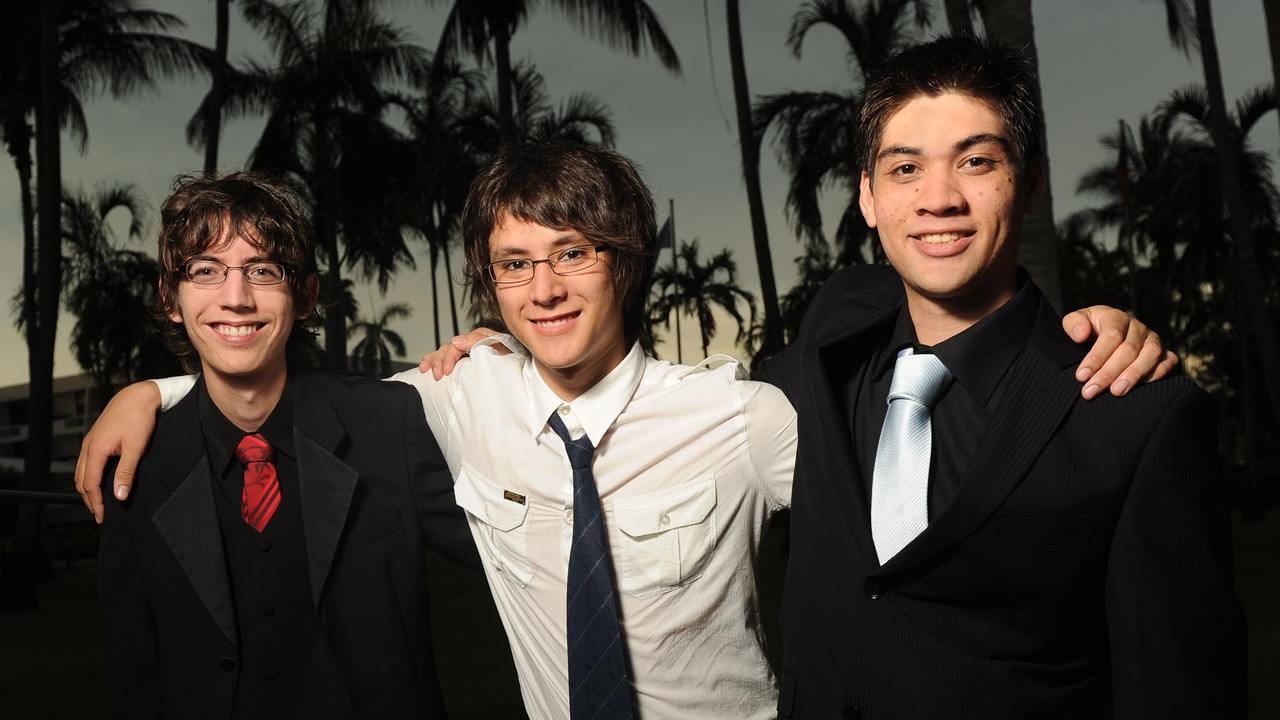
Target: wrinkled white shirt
{"points": [[690, 463]]}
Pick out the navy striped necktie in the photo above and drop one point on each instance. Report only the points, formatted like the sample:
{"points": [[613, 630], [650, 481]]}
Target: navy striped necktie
{"points": [[599, 686]]}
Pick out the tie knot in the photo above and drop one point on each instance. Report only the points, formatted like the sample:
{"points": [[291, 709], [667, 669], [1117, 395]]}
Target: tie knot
{"points": [[579, 451], [918, 377], [254, 448]]}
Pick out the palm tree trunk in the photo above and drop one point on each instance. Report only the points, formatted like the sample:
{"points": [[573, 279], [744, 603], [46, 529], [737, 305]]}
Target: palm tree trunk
{"points": [[218, 93], [335, 321], [749, 144], [1272, 10], [448, 281], [1258, 316], [435, 292], [17, 135], [502, 59], [958, 17], [22, 574], [1009, 22]]}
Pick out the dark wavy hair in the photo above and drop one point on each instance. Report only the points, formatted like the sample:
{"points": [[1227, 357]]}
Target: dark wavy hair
{"points": [[565, 186], [1002, 77], [206, 213]]}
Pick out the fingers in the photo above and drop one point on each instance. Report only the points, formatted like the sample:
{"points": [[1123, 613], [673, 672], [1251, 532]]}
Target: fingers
{"points": [[126, 470], [1125, 353], [1076, 325], [90, 493], [1148, 359], [1108, 325]]}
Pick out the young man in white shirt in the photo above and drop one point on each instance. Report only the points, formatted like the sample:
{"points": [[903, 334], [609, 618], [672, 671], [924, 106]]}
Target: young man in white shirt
{"points": [[686, 464]]}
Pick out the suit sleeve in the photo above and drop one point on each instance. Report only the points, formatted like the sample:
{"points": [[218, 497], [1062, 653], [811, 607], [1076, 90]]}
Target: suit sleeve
{"points": [[128, 630], [443, 520], [1176, 627]]}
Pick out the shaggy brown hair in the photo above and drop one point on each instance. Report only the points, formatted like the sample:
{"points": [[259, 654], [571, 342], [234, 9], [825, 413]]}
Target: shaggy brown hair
{"points": [[205, 214], [564, 186]]}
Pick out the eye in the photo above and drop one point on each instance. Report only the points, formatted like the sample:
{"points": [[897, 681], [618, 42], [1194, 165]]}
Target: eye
{"points": [[202, 270], [574, 254], [513, 265], [905, 170], [979, 163], [265, 271]]}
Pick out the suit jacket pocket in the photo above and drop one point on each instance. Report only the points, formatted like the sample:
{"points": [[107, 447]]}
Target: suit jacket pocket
{"points": [[1039, 529], [498, 524], [666, 537], [367, 534]]}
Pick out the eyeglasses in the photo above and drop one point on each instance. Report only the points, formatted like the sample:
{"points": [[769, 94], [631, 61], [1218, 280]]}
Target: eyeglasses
{"points": [[212, 272], [562, 262]]}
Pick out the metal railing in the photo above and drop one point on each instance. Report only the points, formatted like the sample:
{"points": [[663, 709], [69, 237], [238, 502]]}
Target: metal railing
{"points": [[52, 498]]}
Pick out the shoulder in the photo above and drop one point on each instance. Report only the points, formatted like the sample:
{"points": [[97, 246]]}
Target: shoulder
{"points": [[348, 395], [858, 279], [721, 372]]}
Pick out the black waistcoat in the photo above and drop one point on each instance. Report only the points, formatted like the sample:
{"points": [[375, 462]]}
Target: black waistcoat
{"points": [[286, 667]]}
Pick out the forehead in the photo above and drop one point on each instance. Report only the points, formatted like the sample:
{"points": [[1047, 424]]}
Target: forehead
{"points": [[512, 235], [944, 118]]}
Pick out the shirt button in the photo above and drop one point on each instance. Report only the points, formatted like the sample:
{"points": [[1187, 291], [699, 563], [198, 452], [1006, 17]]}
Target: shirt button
{"points": [[273, 673], [665, 519], [227, 664], [874, 589], [264, 544], [568, 516], [564, 410], [268, 610], [853, 713]]}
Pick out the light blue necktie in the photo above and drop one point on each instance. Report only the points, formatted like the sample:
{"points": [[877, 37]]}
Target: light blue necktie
{"points": [[599, 687], [900, 479]]}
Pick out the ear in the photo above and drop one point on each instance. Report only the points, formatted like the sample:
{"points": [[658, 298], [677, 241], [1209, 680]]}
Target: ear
{"points": [[166, 302], [866, 200], [312, 291]]}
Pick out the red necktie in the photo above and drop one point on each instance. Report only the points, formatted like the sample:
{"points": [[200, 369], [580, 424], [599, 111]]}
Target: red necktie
{"points": [[261, 494]]}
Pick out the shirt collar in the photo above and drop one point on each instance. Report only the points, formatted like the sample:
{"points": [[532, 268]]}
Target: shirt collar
{"points": [[596, 408], [221, 436], [979, 356]]}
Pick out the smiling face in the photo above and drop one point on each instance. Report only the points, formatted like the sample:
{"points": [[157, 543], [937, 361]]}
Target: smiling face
{"points": [[571, 324], [239, 330], [946, 198]]}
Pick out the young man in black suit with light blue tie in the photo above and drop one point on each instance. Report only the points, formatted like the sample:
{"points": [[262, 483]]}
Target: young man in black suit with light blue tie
{"points": [[970, 539], [272, 561]]}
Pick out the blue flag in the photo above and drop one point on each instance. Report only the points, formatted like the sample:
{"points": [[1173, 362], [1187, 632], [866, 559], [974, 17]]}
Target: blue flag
{"points": [[665, 236]]}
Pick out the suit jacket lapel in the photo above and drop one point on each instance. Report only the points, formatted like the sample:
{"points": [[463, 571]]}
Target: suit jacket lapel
{"points": [[856, 314], [1038, 397], [188, 520], [326, 484]]}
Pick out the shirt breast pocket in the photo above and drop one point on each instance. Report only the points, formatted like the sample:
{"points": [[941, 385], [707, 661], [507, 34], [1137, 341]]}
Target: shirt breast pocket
{"points": [[665, 538], [502, 524]]}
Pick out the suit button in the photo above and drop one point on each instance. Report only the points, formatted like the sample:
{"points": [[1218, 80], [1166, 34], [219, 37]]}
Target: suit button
{"points": [[874, 589], [852, 713], [268, 610], [227, 664], [264, 544], [273, 673]]}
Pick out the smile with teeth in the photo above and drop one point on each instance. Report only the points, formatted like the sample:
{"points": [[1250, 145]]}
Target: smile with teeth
{"points": [[236, 331], [940, 238], [555, 322]]}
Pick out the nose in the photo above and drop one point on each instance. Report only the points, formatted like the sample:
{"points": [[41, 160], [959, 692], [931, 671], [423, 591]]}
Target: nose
{"points": [[236, 293], [546, 287], [940, 194]]}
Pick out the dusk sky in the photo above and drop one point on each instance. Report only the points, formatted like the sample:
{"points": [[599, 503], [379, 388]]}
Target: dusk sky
{"points": [[1100, 60]]}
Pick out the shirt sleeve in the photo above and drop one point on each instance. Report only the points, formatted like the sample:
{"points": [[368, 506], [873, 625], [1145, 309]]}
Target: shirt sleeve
{"points": [[173, 389], [771, 439]]}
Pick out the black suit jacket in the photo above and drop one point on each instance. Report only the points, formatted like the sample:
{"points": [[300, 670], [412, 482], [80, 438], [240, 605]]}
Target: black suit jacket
{"points": [[374, 493], [1082, 570]]}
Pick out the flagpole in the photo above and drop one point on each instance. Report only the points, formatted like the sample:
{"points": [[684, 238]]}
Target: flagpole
{"points": [[675, 271]]}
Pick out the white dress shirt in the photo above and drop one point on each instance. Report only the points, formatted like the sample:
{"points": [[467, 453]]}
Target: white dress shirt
{"points": [[690, 463]]}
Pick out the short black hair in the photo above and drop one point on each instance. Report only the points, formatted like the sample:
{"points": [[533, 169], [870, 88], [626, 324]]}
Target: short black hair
{"points": [[1001, 76]]}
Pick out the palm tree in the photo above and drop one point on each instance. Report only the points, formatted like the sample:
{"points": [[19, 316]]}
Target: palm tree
{"points": [[218, 86], [749, 146], [1255, 314], [325, 100], [1009, 22], [581, 117], [815, 132], [110, 290], [1271, 8], [472, 24], [373, 354], [697, 289]]}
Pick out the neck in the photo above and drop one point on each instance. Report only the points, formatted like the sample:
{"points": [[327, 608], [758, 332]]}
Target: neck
{"points": [[246, 402], [939, 319], [570, 383]]}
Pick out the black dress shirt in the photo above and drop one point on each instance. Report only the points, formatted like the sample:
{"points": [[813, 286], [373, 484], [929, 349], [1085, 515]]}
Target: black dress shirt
{"points": [[978, 359]]}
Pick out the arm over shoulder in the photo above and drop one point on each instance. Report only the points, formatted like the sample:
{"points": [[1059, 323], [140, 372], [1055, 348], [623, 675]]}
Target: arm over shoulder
{"points": [[771, 439]]}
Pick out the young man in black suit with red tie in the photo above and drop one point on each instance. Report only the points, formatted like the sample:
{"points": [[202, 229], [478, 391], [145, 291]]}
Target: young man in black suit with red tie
{"points": [[970, 539], [271, 564]]}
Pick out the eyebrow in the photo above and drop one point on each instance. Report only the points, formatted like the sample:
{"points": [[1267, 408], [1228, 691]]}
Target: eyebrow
{"points": [[965, 144], [572, 237], [207, 256]]}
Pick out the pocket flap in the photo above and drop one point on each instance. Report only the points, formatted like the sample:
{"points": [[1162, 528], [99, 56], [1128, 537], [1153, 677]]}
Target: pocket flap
{"points": [[487, 502], [656, 512]]}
